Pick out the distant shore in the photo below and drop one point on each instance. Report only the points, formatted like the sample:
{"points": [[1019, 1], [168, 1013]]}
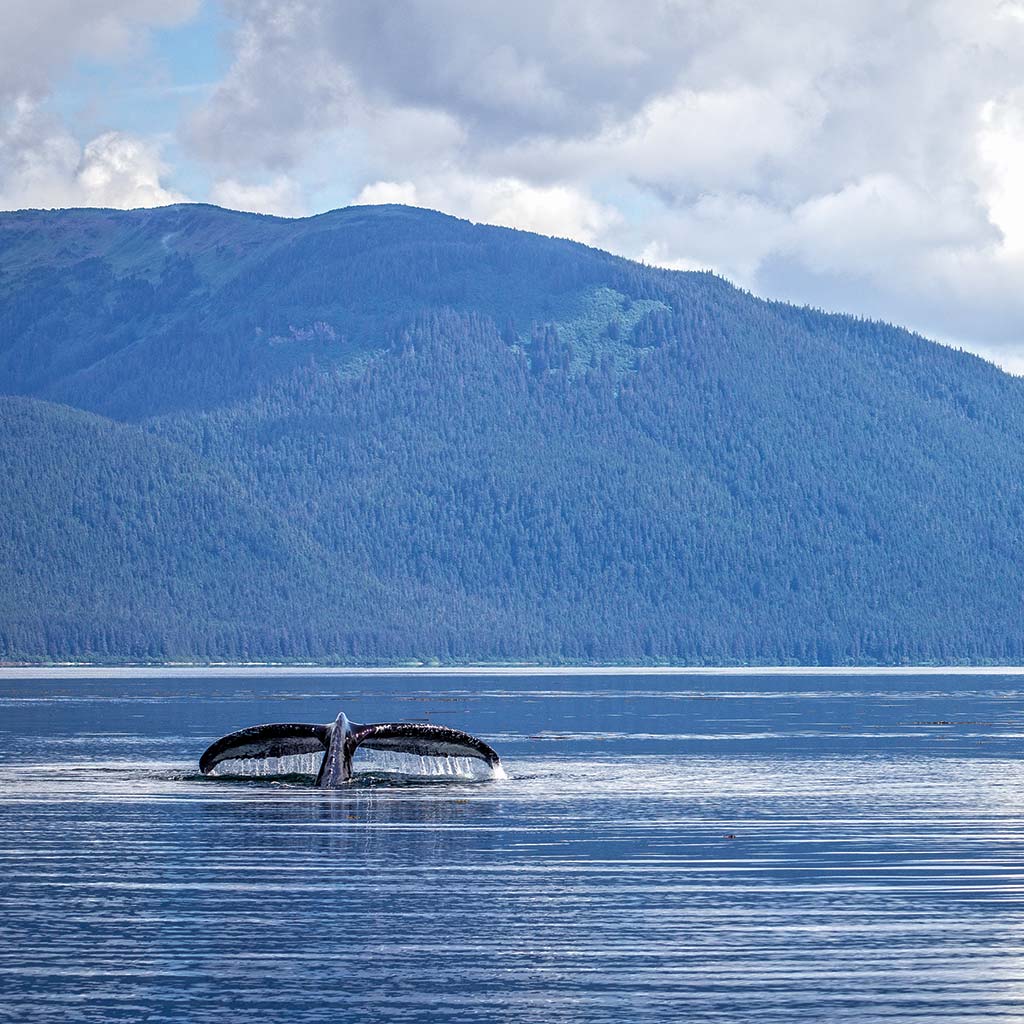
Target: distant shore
{"points": [[249, 669]]}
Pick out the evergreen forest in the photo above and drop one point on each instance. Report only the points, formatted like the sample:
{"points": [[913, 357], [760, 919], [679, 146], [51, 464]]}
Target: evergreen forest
{"points": [[387, 435]]}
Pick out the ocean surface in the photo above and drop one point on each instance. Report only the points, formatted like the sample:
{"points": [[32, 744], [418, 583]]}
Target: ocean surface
{"points": [[769, 848]]}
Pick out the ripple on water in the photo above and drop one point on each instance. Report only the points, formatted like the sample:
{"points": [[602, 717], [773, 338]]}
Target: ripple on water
{"points": [[795, 854]]}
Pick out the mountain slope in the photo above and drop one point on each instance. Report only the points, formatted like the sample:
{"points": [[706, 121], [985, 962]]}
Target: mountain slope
{"points": [[384, 433]]}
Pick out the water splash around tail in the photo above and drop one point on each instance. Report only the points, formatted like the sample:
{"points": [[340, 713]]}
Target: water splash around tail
{"points": [[377, 762]]}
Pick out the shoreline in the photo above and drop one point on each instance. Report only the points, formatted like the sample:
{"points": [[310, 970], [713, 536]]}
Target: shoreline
{"points": [[252, 669]]}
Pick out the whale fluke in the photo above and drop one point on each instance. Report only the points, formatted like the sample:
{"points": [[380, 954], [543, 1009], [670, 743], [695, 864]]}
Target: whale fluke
{"points": [[262, 741], [339, 741]]}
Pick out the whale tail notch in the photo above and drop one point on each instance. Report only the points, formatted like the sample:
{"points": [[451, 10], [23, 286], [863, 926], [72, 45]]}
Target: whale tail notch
{"points": [[339, 742]]}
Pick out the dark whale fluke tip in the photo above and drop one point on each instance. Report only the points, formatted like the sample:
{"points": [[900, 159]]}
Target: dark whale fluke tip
{"points": [[339, 741]]}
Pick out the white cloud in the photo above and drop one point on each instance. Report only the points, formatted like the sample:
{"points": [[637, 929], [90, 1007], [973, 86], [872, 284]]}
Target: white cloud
{"points": [[402, 193], [41, 165], [550, 210], [280, 94], [731, 234], [280, 196], [694, 141], [501, 71], [1001, 148], [117, 170], [869, 227], [40, 38]]}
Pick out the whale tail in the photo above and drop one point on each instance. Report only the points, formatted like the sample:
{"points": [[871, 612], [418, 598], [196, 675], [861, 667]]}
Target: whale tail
{"points": [[260, 742], [339, 741]]}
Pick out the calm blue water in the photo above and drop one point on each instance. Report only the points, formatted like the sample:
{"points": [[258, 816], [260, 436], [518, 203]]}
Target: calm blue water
{"points": [[698, 848]]}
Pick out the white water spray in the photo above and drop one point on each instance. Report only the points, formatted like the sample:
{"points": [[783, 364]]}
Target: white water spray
{"points": [[365, 761], [265, 767], [419, 766]]}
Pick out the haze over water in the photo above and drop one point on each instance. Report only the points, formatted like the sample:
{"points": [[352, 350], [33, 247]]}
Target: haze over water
{"points": [[699, 848]]}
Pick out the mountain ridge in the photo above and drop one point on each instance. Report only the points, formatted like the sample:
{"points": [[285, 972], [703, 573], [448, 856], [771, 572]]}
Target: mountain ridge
{"points": [[399, 435]]}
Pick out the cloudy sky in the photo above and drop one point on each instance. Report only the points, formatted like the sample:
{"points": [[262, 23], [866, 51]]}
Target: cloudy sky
{"points": [[864, 156]]}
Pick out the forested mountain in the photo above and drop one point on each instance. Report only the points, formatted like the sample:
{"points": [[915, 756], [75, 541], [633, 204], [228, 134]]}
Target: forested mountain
{"points": [[384, 434]]}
